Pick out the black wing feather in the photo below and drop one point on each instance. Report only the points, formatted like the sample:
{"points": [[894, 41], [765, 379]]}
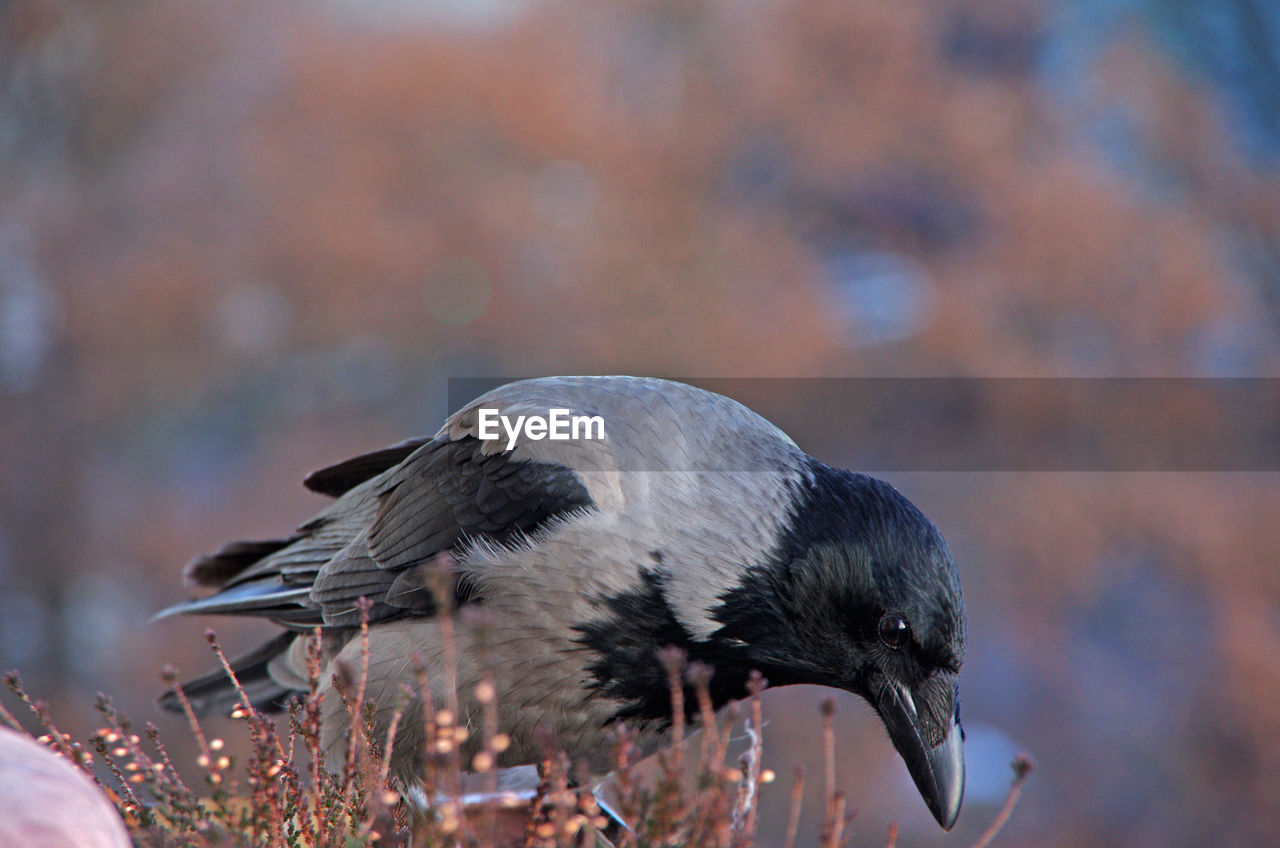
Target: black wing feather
{"points": [[425, 497], [446, 496], [337, 480]]}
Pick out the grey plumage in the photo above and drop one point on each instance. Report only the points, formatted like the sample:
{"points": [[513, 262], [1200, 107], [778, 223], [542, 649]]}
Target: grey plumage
{"points": [[694, 522]]}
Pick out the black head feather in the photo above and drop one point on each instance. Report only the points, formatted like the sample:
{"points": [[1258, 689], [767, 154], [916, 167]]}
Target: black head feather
{"points": [[863, 595], [855, 550]]}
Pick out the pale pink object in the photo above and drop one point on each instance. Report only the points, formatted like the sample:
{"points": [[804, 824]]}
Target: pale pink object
{"points": [[46, 802]]}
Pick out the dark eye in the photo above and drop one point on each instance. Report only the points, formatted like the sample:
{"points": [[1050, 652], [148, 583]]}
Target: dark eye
{"points": [[894, 631]]}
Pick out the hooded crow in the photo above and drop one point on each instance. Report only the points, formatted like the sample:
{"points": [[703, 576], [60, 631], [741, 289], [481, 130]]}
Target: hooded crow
{"points": [[684, 520]]}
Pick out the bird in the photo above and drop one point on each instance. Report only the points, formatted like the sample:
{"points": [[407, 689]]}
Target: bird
{"points": [[684, 521]]}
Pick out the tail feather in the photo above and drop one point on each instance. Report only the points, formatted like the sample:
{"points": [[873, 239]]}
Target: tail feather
{"points": [[215, 694], [337, 480], [217, 568], [267, 597]]}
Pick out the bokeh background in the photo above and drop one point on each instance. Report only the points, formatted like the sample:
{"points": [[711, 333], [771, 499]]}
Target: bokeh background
{"points": [[240, 240]]}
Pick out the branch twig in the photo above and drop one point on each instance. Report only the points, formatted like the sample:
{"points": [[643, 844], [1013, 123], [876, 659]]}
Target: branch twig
{"points": [[1022, 768]]}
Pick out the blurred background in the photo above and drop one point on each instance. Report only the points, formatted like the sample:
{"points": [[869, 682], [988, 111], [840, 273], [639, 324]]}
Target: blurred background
{"points": [[240, 240]]}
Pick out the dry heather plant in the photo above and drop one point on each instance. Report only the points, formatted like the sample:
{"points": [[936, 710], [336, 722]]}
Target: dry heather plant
{"points": [[286, 794]]}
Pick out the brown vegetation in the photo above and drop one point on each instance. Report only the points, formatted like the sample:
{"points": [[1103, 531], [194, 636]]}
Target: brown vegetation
{"points": [[287, 795]]}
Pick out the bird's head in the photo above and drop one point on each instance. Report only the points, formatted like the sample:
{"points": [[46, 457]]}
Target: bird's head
{"points": [[863, 595]]}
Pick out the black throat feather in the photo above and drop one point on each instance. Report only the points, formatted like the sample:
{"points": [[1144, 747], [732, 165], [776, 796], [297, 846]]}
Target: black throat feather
{"points": [[626, 641]]}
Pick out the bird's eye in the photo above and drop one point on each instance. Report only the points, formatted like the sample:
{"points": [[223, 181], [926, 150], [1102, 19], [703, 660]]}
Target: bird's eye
{"points": [[894, 631]]}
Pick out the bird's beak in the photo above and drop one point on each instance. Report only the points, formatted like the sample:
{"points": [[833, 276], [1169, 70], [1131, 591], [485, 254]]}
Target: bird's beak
{"points": [[938, 770]]}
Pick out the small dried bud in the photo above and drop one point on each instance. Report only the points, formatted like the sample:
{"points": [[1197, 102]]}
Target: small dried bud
{"points": [[500, 742], [444, 718], [202, 761], [483, 761], [485, 692], [224, 763], [119, 752], [699, 673], [768, 776], [672, 659], [216, 744]]}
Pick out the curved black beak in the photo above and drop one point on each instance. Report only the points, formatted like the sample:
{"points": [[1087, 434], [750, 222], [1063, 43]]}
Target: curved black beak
{"points": [[937, 769]]}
